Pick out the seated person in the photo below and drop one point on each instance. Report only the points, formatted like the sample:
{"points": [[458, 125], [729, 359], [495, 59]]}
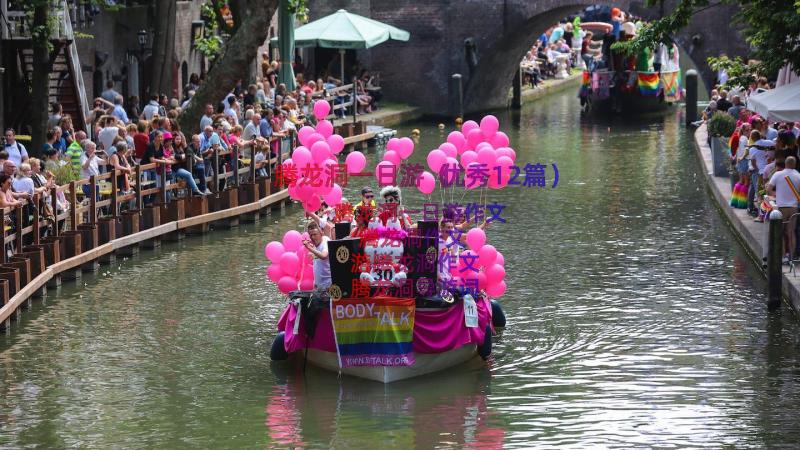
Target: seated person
{"points": [[317, 245]]}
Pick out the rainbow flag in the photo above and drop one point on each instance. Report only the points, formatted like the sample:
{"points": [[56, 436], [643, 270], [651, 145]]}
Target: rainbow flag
{"points": [[586, 85], [648, 83], [374, 331], [671, 81]]}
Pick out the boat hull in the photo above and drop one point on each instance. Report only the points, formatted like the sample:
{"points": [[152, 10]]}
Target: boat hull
{"points": [[424, 364]]}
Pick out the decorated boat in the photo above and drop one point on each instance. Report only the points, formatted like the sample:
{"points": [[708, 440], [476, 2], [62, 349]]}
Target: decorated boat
{"points": [[392, 299], [629, 92]]}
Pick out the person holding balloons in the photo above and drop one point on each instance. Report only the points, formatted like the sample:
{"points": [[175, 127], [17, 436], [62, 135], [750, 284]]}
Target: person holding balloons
{"points": [[392, 201], [325, 217], [317, 245]]}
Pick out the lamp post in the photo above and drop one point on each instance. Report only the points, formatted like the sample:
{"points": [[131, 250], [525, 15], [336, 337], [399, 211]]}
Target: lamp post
{"points": [[142, 38]]}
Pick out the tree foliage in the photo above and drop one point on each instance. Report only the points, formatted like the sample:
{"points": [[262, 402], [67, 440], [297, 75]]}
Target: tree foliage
{"points": [[771, 27]]}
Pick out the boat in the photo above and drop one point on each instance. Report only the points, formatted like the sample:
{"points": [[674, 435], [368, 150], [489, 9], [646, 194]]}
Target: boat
{"points": [[386, 333], [608, 89], [306, 332], [629, 92]]}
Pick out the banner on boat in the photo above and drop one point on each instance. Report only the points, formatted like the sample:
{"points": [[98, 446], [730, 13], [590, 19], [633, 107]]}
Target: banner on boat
{"points": [[648, 83], [374, 331], [671, 83]]}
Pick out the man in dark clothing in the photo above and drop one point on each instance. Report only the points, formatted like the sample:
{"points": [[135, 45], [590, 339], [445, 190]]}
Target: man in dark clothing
{"points": [[723, 104]]}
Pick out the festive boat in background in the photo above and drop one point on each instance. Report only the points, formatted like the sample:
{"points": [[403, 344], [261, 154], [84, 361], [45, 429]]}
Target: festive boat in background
{"points": [[615, 87], [392, 311]]}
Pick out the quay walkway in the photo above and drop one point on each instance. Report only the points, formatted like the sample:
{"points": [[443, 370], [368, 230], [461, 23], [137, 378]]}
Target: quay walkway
{"points": [[753, 235]]}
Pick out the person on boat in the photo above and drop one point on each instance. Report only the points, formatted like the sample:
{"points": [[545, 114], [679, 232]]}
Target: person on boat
{"points": [[367, 197], [317, 245], [325, 217], [362, 215], [392, 200]]}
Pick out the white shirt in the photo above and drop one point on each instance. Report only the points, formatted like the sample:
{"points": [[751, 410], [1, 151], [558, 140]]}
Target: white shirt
{"points": [[230, 112], [322, 268], [204, 122], [93, 168], [24, 184], [106, 137], [784, 196], [250, 131], [150, 109], [16, 152], [761, 158]]}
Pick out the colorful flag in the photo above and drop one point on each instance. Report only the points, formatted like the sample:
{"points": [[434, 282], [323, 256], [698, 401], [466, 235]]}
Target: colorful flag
{"points": [[648, 83], [672, 86], [586, 84], [601, 85], [374, 331]]}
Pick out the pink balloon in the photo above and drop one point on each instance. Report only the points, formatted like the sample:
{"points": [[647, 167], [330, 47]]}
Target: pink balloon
{"points": [[320, 151], [324, 128], [472, 179], [274, 272], [495, 273], [304, 133], [468, 157], [499, 140], [293, 191], [383, 173], [312, 204], [449, 149], [405, 148], [506, 151], [474, 137], [304, 190], [504, 161], [488, 157], [292, 240], [307, 283], [496, 290], [273, 251], [467, 126], [336, 143], [476, 238], [334, 197], [301, 157], [315, 137], [287, 284], [392, 157], [393, 144], [500, 260], [426, 183], [482, 145], [355, 162], [489, 125], [436, 158], [457, 138], [289, 263], [452, 162], [487, 255], [321, 109]]}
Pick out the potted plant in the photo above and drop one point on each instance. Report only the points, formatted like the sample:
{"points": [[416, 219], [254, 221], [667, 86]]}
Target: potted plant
{"points": [[720, 128]]}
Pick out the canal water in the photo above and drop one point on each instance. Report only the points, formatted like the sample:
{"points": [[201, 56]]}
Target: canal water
{"points": [[635, 320]]}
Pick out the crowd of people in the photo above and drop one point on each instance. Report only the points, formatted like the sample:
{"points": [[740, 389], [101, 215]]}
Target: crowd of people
{"points": [[592, 49], [764, 157]]}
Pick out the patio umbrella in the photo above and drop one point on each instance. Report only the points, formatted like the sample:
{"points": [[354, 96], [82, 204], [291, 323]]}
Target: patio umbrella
{"points": [[344, 30], [286, 48]]}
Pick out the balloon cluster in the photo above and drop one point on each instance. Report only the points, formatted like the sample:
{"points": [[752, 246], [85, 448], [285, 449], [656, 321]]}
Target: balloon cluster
{"points": [[489, 263], [397, 150], [319, 148], [291, 267], [476, 148]]}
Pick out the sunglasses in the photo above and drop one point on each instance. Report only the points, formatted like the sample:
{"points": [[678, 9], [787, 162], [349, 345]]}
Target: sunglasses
{"points": [[369, 196]]}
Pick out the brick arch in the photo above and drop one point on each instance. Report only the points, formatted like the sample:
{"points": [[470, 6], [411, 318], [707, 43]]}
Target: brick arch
{"points": [[488, 87]]}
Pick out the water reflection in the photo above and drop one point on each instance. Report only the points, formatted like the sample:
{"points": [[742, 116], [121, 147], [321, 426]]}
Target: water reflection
{"points": [[635, 320], [444, 411]]}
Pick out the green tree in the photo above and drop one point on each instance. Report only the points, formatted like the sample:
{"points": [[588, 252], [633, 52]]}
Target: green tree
{"points": [[771, 27], [235, 57]]}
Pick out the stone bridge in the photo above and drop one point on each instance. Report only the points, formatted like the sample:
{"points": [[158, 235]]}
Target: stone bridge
{"points": [[419, 71]]}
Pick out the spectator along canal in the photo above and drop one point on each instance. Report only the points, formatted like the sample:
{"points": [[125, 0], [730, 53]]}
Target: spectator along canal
{"points": [[634, 318]]}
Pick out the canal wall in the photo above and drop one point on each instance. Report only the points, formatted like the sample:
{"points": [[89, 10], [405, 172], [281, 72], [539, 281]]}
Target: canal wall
{"points": [[552, 86], [752, 235]]}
